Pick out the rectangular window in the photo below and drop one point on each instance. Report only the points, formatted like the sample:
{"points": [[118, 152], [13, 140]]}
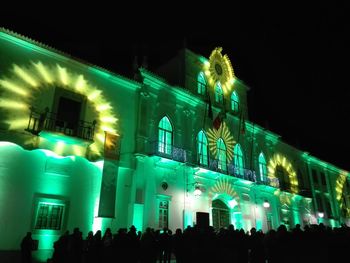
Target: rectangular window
{"points": [[328, 208], [164, 142], [163, 213], [201, 88], [319, 203], [49, 216], [300, 179], [235, 106], [203, 154]]}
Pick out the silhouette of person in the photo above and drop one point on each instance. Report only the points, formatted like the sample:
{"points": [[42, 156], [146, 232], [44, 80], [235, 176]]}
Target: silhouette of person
{"points": [[26, 248]]}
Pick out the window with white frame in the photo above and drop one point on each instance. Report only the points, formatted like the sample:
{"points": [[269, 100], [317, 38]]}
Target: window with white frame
{"points": [[262, 167], [238, 159], [49, 216], [219, 96], [202, 148], [163, 213], [201, 84], [221, 154], [234, 102], [165, 136]]}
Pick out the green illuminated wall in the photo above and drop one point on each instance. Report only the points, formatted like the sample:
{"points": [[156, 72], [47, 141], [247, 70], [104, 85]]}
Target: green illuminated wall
{"points": [[26, 175], [57, 167], [63, 168]]}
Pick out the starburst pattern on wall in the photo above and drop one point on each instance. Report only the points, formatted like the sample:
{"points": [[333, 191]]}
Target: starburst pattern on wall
{"points": [[223, 186], [219, 69], [339, 188], [26, 80], [224, 133], [279, 160], [285, 198]]}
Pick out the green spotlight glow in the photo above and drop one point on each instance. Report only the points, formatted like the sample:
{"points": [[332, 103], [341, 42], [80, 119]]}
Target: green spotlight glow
{"points": [[138, 216]]}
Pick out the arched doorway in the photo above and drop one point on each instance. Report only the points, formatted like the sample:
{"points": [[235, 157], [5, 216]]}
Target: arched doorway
{"points": [[220, 214]]}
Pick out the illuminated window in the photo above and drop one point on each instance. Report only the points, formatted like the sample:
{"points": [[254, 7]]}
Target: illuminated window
{"points": [[234, 102], [201, 84], [165, 136], [221, 154], [49, 216], [163, 213], [219, 96], [238, 159], [262, 167], [202, 148]]}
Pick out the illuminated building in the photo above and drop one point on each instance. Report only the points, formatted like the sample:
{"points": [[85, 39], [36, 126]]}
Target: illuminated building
{"points": [[83, 147]]}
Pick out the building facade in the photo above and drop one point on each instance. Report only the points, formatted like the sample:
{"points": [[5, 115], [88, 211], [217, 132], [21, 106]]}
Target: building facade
{"points": [[83, 147]]}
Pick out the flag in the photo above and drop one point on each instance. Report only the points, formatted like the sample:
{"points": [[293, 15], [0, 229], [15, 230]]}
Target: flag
{"points": [[109, 180], [217, 121], [210, 110], [242, 125]]}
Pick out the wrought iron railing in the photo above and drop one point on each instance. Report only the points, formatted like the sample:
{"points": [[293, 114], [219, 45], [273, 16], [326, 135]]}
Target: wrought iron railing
{"points": [[170, 152], [48, 121], [181, 155]]}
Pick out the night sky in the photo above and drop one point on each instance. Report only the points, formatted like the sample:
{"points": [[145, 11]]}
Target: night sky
{"points": [[294, 58]]}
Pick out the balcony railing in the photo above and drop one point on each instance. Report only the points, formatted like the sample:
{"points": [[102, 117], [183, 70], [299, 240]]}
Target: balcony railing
{"points": [[182, 155], [48, 121], [170, 152]]}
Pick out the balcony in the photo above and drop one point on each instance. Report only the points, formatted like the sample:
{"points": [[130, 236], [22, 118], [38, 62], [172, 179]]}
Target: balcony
{"points": [[169, 152], [48, 122], [181, 155]]}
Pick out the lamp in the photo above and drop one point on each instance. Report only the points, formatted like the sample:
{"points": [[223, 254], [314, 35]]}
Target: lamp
{"points": [[320, 214], [266, 204], [197, 190]]}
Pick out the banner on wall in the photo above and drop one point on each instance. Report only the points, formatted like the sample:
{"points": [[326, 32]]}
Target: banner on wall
{"points": [[109, 176]]}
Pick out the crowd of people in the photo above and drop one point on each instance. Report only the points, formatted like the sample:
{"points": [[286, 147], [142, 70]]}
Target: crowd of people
{"points": [[313, 243]]}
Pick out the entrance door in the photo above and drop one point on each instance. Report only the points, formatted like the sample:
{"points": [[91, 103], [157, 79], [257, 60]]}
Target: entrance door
{"points": [[221, 214]]}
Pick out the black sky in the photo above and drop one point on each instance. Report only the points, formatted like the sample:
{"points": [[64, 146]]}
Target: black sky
{"points": [[294, 58]]}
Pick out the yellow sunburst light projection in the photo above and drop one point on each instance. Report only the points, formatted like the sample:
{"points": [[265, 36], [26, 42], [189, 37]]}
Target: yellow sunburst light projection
{"points": [[219, 69], [224, 186], [279, 160], [339, 188], [224, 133], [17, 97], [285, 198]]}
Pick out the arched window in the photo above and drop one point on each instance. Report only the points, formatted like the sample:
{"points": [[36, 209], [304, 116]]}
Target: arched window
{"points": [[238, 159], [165, 136], [202, 148], [219, 96], [221, 154], [234, 102], [262, 167], [201, 84]]}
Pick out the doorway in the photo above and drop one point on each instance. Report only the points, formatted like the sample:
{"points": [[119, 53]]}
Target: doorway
{"points": [[220, 214], [68, 114]]}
